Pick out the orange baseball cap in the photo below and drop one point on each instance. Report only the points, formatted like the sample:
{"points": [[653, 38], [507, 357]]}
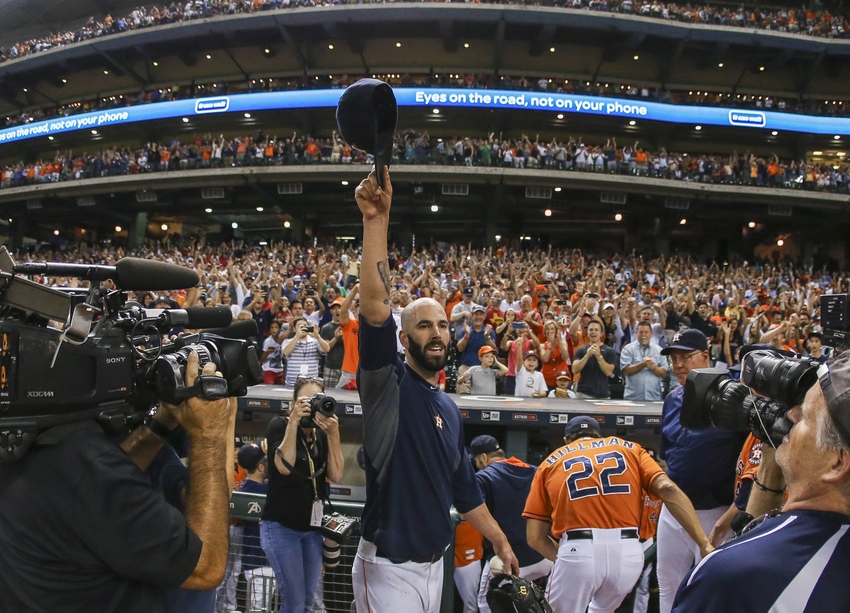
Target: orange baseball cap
{"points": [[337, 302], [485, 350]]}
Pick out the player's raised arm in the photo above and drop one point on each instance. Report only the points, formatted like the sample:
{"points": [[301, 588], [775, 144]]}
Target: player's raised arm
{"points": [[374, 202]]}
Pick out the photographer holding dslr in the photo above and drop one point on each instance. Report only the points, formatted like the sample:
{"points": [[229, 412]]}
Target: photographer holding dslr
{"points": [[797, 559], [303, 454]]}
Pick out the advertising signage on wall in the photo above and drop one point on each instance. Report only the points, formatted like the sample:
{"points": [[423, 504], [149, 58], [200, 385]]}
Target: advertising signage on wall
{"points": [[436, 98]]}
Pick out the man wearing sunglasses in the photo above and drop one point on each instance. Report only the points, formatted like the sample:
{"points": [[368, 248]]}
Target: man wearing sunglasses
{"points": [[700, 462]]}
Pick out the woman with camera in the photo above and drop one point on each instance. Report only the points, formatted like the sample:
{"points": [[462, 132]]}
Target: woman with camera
{"points": [[303, 453]]}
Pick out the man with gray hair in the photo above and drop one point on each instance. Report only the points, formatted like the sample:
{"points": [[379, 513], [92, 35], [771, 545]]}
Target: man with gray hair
{"points": [[799, 559], [415, 459]]}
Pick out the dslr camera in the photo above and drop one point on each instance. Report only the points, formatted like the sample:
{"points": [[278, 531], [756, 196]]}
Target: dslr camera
{"points": [[320, 403], [713, 399]]}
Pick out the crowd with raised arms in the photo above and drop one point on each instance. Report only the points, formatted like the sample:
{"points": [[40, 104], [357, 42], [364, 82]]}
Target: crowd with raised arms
{"points": [[819, 23], [548, 153], [510, 309], [812, 106]]}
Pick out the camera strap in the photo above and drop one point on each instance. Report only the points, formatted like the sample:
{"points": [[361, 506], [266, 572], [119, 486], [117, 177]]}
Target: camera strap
{"points": [[320, 472], [208, 387]]}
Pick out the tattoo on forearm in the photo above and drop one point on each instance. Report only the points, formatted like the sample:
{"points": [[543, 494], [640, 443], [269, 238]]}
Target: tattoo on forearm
{"points": [[384, 273]]}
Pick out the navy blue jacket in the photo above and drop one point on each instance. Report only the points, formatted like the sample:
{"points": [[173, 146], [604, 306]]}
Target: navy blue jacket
{"points": [[505, 486]]}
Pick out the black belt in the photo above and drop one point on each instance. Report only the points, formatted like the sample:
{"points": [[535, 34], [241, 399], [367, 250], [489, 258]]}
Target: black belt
{"points": [[426, 559], [578, 535]]}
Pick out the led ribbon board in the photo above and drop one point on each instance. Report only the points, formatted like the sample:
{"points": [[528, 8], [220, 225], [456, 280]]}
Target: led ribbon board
{"points": [[438, 98]]}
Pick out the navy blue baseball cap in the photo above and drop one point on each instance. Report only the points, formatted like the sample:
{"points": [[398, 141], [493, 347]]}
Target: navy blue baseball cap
{"points": [[367, 116], [483, 444], [687, 340], [249, 456], [582, 423]]}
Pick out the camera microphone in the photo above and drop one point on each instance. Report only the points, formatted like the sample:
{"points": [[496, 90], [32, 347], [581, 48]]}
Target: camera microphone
{"points": [[134, 274]]}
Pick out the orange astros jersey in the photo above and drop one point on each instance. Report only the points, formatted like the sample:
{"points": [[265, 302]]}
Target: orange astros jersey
{"points": [[469, 544], [649, 518], [748, 462], [592, 483]]}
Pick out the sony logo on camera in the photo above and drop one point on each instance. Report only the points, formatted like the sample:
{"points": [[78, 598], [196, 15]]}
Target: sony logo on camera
{"points": [[115, 360]]}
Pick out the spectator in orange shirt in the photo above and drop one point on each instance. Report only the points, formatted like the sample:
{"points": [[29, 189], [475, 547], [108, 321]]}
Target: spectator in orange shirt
{"points": [[349, 323]]}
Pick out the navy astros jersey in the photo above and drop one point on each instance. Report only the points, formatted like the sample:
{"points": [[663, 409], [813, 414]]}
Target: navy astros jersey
{"points": [[416, 463], [701, 462], [796, 562]]}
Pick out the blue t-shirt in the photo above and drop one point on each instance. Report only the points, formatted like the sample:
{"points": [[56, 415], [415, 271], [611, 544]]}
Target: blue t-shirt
{"points": [[476, 341], [505, 486], [798, 561], [701, 462], [252, 553], [416, 464]]}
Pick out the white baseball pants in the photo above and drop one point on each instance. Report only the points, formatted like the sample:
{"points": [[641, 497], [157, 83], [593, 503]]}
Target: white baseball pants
{"points": [[466, 580]]}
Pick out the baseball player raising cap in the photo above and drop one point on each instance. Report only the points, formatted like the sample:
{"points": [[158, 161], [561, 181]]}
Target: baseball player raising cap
{"points": [[412, 438], [589, 495]]}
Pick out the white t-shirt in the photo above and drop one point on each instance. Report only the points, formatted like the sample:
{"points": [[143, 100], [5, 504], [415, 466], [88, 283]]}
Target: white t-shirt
{"points": [[313, 318], [528, 382], [273, 363]]}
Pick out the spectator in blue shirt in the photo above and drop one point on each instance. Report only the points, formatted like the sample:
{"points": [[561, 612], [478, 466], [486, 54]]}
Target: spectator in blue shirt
{"points": [[641, 362], [474, 338], [701, 462]]}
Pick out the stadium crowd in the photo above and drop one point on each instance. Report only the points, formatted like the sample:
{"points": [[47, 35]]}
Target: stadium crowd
{"points": [[832, 108], [819, 23], [541, 310], [571, 154]]}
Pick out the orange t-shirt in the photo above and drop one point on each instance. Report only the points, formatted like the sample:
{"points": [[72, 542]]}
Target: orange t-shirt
{"points": [[351, 344], [592, 483], [469, 544], [450, 304]]}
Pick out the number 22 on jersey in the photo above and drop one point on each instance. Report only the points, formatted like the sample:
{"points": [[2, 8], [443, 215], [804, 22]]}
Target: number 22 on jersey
{"points": [[598, 470]]}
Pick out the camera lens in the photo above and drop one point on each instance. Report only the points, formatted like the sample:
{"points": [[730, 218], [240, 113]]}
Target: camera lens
{"points": [[783, 380]]}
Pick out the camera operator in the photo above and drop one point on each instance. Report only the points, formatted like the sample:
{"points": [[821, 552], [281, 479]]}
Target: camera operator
{"points": [[82, 529], [300, 458], [701, 462], [798, 560]]}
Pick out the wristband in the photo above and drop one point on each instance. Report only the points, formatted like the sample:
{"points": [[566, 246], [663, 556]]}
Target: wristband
{"points": [[157, 427], [764, 488]]}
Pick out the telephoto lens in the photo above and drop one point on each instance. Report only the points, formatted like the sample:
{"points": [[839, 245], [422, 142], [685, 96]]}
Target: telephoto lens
{"points": [[330, 553], [783, 380]]}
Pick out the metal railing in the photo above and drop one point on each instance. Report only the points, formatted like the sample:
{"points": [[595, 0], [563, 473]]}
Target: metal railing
{"points": [[249, 584]]}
